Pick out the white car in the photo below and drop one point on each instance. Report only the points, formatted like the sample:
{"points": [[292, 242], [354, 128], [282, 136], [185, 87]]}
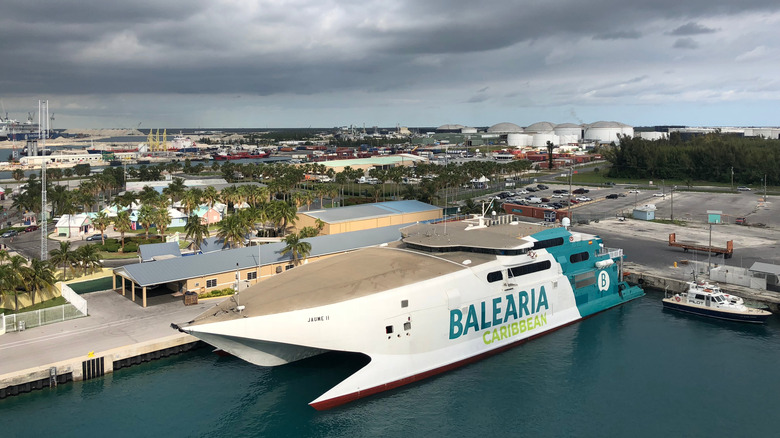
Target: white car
{"points": [[634, 191], [557, 195], [743, 189], [535, 200], [659, 195], [583, 199], [521, 192]]}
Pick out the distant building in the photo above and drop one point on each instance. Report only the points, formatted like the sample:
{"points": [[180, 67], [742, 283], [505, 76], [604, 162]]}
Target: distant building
{"points": [[368, 216]]}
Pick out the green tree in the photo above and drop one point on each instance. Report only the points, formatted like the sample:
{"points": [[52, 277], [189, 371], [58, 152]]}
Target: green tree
{"points": [[146, 218], [88, 258], [101, 222], [39, 277], [123, 224], [196, 230], [233, 230], [162, 218], [63, 256], [296, 247]]}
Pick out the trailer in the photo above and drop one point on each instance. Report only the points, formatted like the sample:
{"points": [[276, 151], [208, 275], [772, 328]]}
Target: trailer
{"points": [[727, 252]]}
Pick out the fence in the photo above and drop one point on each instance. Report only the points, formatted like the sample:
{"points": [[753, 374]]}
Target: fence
{"points": [[77, 308]]}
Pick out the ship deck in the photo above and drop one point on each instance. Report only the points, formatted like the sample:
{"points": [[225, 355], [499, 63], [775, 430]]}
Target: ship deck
{"points": [[341, 278], [506, 236]]}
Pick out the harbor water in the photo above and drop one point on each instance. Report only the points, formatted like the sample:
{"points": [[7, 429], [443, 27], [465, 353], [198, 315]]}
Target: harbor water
{"points": [[636, 370]]}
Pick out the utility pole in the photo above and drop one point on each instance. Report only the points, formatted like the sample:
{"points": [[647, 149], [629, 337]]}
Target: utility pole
{"points": [[732, 178], [671, 193], [709, 252]]}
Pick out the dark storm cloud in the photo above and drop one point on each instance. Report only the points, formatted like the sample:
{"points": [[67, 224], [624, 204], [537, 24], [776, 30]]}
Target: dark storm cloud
{"points": [[692, 29], [619, 35], [686, 43], [306, 47]]}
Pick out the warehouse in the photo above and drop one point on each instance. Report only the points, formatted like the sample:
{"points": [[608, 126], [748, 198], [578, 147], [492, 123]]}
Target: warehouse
{"points": [[368, 216]]}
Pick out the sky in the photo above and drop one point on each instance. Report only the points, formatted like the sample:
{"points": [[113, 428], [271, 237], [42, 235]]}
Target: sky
{"points": [[326, 63]]}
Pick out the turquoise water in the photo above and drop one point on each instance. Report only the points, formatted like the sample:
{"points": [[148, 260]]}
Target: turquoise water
{"points": [[635, 370]]}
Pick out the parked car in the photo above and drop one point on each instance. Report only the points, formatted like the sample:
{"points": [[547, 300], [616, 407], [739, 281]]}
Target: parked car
{"points": [[11, 233], [583, 199], [580, 191], [659, 195], [556, 205], [545, 199], [741, 221], [531, 189], [612, 196], [31, 228], [534, 200], [521, 192], [634, 191], [542, 187], [743, 189], [97, 237]]}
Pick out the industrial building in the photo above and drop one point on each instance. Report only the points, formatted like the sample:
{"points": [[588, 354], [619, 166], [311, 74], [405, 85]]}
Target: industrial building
{"points": [[368, 216]]}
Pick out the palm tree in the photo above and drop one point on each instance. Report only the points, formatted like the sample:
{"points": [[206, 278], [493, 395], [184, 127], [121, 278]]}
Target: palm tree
{"points": [[16, 277], [281, 214], [63, 255], [232, 230], [102, 222], [88, 258], [210, 195], [146, 218], [38, 277], [191, 199], [8, 281], [196, 230], [175, 189], [123, 224], [162, 217], [296, 247]]}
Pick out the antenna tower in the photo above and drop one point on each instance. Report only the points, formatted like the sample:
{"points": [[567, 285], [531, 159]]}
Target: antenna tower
{"points": [[43, 132]]}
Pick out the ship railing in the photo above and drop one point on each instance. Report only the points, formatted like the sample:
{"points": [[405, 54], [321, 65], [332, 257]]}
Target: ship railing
{"points": [[613, 253]]}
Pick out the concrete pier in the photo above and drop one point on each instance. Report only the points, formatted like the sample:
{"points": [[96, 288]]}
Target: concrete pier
{"points": [[657, 279]]}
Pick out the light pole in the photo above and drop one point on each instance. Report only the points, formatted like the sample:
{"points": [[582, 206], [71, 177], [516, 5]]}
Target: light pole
{"points": [[671, 193], [709, 252]]}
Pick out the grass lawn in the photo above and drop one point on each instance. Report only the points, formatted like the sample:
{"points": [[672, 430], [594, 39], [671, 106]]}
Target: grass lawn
{"points": [[54, 302]]}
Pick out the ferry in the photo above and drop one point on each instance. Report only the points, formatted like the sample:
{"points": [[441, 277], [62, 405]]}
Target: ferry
{"points": [[706, 299], [443, 296]]}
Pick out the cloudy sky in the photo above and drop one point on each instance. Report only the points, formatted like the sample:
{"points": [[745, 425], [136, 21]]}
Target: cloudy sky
{"points": [[324, 63]]}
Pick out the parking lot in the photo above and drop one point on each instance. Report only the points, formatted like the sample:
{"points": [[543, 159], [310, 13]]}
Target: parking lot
{"points": [[686, 206]]}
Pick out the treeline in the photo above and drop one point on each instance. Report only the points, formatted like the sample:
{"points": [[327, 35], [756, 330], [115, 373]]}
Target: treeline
{"points": [[710, 157]]}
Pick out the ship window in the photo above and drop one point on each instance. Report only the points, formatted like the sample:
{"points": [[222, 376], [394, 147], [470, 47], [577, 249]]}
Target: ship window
{"points": [[407, 325], [699, 297], [495, 276], [389, 329], [579, 257], [404, 303], [548, 243], [211, 283], [530, 268]]}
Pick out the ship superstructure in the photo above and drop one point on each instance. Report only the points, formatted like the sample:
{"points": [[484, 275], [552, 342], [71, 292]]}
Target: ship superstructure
{"points": [[443, 296]]}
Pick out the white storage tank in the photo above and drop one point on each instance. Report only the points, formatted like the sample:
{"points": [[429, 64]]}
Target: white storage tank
{"points": [[606, 132], [518, 140], [540, 140], [568, 129]]}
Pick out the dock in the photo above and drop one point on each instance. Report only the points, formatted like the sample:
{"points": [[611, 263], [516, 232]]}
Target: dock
{"points": [[119, 334]]}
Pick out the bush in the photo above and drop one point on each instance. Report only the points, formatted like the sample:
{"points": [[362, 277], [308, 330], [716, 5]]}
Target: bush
{"points": [[218, 293], [131, 247]]}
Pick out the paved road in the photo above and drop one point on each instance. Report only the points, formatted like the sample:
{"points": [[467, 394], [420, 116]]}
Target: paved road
{"points": [[114, 321]]}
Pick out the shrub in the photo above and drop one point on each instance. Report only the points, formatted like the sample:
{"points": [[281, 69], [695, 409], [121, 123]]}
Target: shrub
{"points": [[131, 247]]}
